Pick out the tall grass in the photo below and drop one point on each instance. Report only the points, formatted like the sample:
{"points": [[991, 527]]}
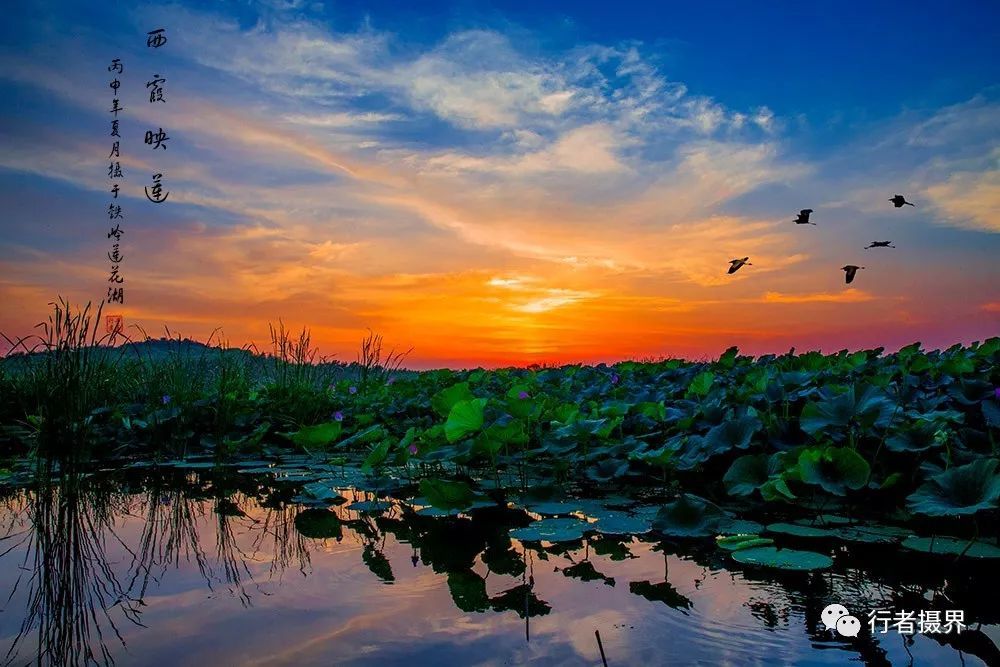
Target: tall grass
{"points": [[70, 386], [59, 389], [296, 378], [374, 365]]}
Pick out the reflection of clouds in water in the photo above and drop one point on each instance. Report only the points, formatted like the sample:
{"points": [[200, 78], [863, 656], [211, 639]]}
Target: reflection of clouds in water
{"points": [[223, 588]]}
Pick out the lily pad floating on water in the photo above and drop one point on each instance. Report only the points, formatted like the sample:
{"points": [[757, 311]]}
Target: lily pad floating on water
{"points": [[882, 529], [824, 520], [737, 542], [620, 523], [436, 512], [554, 508], [951, 546], [798, 530], [740, 527], [194, 465], [551, 530], [864, 536], [369, 506], [321, 491], [783, 559], [257, 471]]}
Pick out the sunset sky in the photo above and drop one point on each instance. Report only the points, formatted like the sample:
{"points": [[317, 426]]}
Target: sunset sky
{"points": [[510, 183]]}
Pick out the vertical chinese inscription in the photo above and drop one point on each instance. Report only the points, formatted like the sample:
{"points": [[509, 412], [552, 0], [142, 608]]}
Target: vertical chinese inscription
{"points": [[116, 288], [156, 139]]}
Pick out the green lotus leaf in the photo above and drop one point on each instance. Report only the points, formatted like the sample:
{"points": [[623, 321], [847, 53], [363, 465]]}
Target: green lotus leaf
{"points": [[824, 520], [445, 400], [551, 530], [447, 495], [739, 526], [701, 384], [871, 409], [733, 433], [322, 491], [748, 473], [958, 491], [951, 546], [743, 541], [377, 456], [316, 436], [798, 530], [607, 470], [916, 437], [610, 522], [555, 508], [991, 412], [688, 516], [464, 418], [369, 506], [861, 534], [783, 559], [835, 469], [776, 489]]}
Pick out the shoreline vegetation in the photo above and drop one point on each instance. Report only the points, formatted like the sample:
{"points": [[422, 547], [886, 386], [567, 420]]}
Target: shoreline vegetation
{"points": [[911, 437]]}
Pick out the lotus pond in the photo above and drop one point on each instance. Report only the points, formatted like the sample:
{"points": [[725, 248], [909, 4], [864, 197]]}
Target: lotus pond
{"points": [[689, 512], [293, 561]]}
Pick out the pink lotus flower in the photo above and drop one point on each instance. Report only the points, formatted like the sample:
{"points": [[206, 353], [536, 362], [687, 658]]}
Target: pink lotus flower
{"points": [[166, 399], [338, 415], [523, 395], [413, 449], [353, 389], [996, 393], [614, 378]]}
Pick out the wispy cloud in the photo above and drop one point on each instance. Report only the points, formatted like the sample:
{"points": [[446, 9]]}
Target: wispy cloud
{"points": [[482, 190], [847, 296]]}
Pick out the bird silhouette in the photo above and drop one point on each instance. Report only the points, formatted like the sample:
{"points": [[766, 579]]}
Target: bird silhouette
{"points": [[899, 200], [803, 217], [737, 263], [851, 271], [880, 244]]}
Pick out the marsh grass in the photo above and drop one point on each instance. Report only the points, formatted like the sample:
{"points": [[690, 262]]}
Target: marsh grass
{"points": [[295, 378], [375, 366], [75, 373]]}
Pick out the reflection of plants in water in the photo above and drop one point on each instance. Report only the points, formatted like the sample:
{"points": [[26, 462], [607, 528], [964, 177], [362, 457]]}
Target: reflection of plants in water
{"points": [[73, 593], [169, 536], [228, 551], [278, 535]]}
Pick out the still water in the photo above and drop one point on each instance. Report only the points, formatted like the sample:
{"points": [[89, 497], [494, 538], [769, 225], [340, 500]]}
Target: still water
{"points": [[173, 566]]}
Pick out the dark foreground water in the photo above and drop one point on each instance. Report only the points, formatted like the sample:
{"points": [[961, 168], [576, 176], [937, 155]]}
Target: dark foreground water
{"points": [[205, 567]]}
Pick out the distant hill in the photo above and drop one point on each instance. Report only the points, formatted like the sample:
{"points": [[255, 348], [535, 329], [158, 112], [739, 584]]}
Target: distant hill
{"points": [[156, 350]]}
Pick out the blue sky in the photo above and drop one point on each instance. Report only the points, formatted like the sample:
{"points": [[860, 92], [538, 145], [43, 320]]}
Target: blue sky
{"points": [[551, 168]]}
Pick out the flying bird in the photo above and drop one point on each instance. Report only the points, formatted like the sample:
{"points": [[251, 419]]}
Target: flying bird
{"points": [[880, 244], [899, 200], [737, 263], [803, 218], [851, 271]]}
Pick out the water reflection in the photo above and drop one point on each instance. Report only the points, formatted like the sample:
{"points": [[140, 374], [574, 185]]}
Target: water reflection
{"points": [[173, 566]]}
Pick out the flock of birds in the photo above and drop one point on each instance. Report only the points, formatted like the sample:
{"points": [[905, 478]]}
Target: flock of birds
{"points": [[849, 270]]}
